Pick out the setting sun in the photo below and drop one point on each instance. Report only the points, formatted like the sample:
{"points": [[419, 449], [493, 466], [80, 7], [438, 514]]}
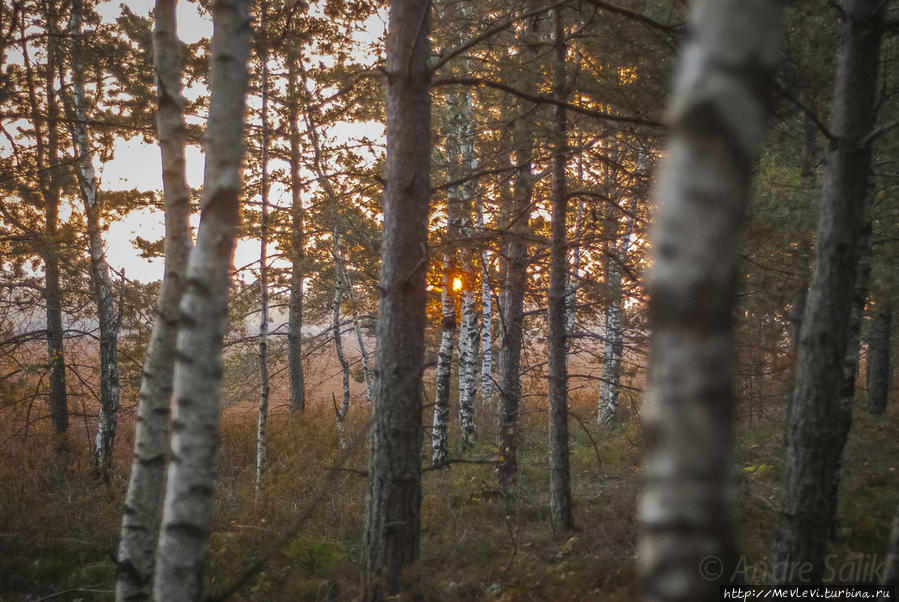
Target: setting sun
{"points": [[457, 284]]}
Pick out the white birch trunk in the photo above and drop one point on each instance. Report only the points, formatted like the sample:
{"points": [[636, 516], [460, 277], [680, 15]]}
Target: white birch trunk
{"points": [[181, 554], [486, 316], [262, 422], [717, 112], [360, 340], [100, 281], [134, 579], [339, 267], [573, 275], [439, 443], [468, 318], [335, 328], [442, 387], [614, 349]]}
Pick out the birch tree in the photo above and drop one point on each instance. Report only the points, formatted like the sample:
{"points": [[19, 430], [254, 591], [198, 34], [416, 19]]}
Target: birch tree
{"points": [[393, 502], [717, 113], [609, 386], [468, 319], [439, 436], [318, 164], [181, 553], [816, 435], [100, 280], [439, 431], [486, 313], [137, 542]]}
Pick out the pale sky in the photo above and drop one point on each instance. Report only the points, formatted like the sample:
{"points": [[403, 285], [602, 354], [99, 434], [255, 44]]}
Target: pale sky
{"points": [[136, 164]]}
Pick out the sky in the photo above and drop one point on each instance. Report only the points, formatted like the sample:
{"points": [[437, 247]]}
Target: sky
{"points": [[137, 165]]}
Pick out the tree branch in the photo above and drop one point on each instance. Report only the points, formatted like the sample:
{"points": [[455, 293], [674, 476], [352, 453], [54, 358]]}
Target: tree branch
{"points": [[676, 28], [490, 32], [543, 99]]}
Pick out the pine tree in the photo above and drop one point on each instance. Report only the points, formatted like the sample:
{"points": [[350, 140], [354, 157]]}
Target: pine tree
{"points": [[392, 519]]}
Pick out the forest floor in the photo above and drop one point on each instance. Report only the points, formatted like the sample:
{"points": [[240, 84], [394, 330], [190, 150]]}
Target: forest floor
{"points": [[58, 535]]}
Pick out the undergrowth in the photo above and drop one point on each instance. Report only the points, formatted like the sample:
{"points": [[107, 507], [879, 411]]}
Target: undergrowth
{"points": [[300, 540]]}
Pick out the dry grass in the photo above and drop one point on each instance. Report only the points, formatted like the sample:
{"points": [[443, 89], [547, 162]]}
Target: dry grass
{"points": [[300, 540]]}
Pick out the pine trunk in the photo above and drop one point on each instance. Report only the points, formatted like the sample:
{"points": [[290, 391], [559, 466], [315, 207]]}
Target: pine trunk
{"points": [[717, 113], [181, 554], [392, 520], [297, 248], [515, 264], [559, 468], [262, 422], [47, 155], [850, 363], [134, 579], [815, 434], [879, 359]]}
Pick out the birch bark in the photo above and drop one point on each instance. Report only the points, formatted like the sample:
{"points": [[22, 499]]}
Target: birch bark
{"points": [[486, 315], [318, 163], [718, 112], [360, 341], [439, 440], [468, 318], [341, 411], [134, 579], [181, 553], [100, 281], [611, 368]]}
